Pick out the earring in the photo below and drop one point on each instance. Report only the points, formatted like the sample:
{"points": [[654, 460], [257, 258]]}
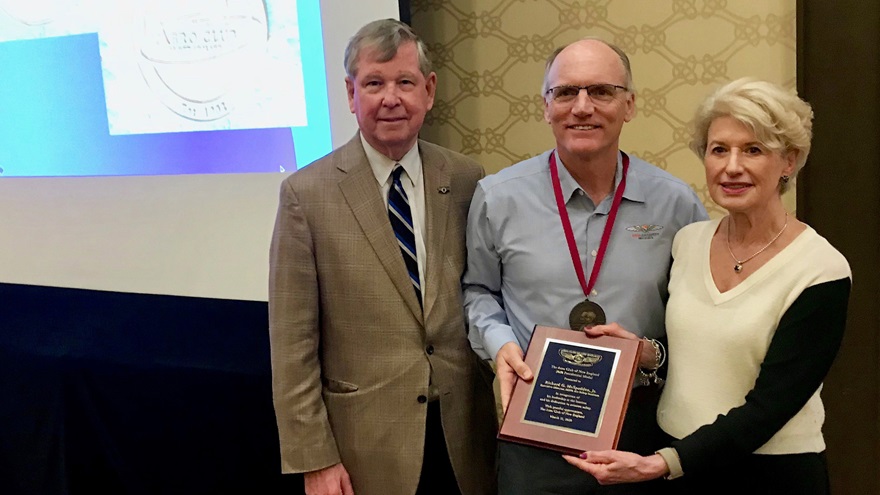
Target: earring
{"points": [[784, 179]]}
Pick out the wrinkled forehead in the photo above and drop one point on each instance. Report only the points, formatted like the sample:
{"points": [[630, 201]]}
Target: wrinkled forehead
{"points": [[376, 52], [728, 127], [586, 61]]}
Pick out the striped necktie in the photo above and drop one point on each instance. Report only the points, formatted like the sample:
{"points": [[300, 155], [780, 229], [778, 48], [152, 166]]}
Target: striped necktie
{"points": [[401, 221]]}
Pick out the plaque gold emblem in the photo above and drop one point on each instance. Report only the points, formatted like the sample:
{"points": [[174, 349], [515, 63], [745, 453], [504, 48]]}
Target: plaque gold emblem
{"points": [[579, 358]]}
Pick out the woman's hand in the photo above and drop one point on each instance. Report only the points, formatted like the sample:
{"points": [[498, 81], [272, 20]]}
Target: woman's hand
{"points": [[648, 357], [611, 467], [612, 329]]}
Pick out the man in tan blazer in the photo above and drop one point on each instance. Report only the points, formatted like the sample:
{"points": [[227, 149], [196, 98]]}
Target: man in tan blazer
{"points": [[376, 388]]}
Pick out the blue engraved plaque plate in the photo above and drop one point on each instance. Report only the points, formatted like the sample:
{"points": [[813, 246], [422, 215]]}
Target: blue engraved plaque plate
{"points": [[570, 389]]}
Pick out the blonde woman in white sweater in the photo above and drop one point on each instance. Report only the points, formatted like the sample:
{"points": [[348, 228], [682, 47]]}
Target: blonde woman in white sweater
{"points": [[756, 312]]}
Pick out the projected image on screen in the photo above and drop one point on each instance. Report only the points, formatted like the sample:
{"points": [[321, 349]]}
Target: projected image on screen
{"points": [[187, 65], [155, 87], [28, 19]]}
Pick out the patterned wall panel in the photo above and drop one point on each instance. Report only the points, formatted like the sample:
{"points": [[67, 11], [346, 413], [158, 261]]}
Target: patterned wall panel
{"points": [[489, 57]]}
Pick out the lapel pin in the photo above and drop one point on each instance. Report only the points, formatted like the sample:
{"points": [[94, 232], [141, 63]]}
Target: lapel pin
{"points": [[443, 189]]}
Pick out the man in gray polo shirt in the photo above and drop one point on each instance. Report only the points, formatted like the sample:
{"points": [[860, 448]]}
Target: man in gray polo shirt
{"points": [[585, 200]]}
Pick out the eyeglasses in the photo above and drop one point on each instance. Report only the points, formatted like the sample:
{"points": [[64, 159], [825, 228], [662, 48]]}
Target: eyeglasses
{"points": [[599, 93]]}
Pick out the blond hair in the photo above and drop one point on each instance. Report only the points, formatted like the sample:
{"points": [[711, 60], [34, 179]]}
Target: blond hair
{"points": [[779, 119]]}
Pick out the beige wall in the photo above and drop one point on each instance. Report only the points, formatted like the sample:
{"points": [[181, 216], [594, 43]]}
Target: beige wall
{"points": [[489, 57]]}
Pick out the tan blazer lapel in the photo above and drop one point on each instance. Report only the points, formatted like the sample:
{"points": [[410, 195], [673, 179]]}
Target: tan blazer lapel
{"points": [[437, 200], [361, 192]]}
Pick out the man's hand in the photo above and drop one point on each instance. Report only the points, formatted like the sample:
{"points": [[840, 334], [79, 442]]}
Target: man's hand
{"points": [[331, 480], [612, 466], [648, 358], [509, 364]]}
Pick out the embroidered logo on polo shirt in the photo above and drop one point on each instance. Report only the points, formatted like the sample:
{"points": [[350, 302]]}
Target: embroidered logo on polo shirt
{"points": [[645, 231]]}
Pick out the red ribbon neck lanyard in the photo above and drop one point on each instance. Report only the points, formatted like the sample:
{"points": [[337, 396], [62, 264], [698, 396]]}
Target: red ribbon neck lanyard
{"points": [[569, 234]]}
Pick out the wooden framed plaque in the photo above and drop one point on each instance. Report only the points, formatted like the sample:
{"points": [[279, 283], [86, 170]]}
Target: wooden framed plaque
{"points": [[578, 397]]}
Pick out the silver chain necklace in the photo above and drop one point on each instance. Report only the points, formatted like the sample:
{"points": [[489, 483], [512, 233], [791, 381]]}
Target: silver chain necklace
{"points": [[739, 263]]}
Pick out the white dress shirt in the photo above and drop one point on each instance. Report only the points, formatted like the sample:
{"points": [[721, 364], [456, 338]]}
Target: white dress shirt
{"points": [[413, 186]]}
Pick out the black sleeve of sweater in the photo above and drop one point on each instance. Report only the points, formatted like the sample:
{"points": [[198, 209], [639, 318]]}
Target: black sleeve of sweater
{"points": [[798, 358]]}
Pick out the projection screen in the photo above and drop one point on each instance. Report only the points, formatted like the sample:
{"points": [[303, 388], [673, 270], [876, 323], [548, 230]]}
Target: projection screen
{"points": [[142, 142]]}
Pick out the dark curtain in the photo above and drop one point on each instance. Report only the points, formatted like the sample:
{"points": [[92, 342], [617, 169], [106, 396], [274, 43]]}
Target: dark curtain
{"points": [[839, 195], [104, 392]]}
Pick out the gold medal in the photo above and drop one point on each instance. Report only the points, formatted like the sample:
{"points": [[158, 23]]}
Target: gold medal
{"points": [[586, 314]]}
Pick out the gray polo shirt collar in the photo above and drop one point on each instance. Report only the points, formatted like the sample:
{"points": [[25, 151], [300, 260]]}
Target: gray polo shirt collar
{"points": [[633, 192]]}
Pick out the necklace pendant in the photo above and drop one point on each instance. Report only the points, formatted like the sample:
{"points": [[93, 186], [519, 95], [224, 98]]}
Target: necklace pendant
{"points": [[738, 267]]}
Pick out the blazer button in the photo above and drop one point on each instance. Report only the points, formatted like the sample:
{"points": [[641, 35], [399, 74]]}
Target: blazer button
{"points": [[430, 349], [422, 399]]}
